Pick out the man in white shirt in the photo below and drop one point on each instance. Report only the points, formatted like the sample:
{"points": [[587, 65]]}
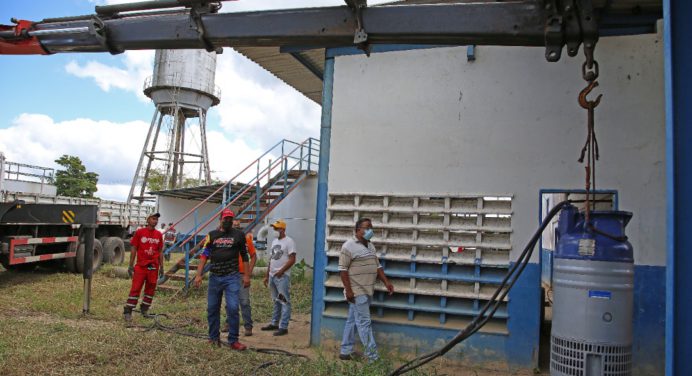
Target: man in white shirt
{"points": [[283, 256]]}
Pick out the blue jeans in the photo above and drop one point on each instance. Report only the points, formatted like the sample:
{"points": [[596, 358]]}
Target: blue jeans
{"points": [[281, 296], [245, 308], [359, 319], [218, 286]]}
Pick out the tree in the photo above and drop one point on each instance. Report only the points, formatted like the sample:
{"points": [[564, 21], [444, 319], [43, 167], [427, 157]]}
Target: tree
{"points": [[74, 180], [156, 181]]}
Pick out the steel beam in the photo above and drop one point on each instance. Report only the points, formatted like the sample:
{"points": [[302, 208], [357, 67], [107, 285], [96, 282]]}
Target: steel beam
{"points": [[505, 23]]}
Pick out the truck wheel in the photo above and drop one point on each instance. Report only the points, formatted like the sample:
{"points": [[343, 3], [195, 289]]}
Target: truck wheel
{"points": [[98, 256], [113, 250]]}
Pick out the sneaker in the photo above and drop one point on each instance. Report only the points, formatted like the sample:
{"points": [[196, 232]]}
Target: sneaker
{"points": [[237, 346], [269, 327], [248, 332], [214, 342], [280, 332]]}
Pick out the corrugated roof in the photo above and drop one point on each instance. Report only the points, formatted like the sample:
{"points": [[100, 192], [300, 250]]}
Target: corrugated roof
{"points": [[301, 70], [200, 193]]}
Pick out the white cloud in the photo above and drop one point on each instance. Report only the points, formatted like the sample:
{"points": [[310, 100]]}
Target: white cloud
{"points": [[262, 110], [137, 66], [110, 149]]}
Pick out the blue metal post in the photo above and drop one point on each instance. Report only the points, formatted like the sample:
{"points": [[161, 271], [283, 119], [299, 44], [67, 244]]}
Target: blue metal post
{"points": [[309, 154], [678, 87], [285, 168], [320, 259], [300, 168], [187, 265], [258, 192]]}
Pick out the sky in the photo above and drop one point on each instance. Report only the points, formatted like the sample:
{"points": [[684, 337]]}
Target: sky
{"points": [[92, 105]]}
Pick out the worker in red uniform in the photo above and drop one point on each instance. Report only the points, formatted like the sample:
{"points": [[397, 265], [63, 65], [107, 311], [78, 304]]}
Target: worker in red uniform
{"points": [[147, 247]]}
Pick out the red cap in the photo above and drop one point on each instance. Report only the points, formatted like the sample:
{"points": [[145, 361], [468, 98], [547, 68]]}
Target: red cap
{"points": [[227, 213]]}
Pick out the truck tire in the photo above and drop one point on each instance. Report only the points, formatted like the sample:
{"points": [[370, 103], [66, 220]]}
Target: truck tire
{"points": [[98, 257], [113, 250]]}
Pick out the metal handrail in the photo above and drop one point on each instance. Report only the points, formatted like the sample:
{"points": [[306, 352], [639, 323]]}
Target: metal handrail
{"points": [[228, 184], [245, 188]]}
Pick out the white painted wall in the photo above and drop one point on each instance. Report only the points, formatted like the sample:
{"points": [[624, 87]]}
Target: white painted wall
{"points": [[428, 121], [298, 210], [172, 209]]}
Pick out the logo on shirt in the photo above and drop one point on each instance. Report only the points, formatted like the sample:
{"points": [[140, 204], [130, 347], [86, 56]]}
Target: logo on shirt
{"points": [[145, 240], [224, 242], [277, 252]]}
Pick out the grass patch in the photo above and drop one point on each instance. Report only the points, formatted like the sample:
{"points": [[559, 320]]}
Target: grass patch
{"points": [[42, 331]]}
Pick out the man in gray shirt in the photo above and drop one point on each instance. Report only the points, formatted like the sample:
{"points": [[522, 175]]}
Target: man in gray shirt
{"points": [[359, 269]]}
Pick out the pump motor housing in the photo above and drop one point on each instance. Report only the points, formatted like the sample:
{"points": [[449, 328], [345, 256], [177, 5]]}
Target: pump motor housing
{"points": [[593, 280]]}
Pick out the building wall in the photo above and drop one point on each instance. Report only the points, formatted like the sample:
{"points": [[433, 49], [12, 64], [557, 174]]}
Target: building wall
{"points": [[426, 121], [298, 210], [172, 209]]}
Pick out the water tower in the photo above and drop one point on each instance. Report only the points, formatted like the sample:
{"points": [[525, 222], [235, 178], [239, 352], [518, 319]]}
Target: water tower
{"points": [[175, 148]]}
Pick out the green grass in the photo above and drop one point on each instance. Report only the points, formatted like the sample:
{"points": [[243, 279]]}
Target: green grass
{"points": [[43, 331]]}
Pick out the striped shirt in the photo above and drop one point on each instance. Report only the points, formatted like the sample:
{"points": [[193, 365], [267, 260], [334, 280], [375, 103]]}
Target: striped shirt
{"points": [[361, 263]]}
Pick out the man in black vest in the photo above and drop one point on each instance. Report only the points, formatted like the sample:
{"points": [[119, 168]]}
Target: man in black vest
{"points": [[222, 248]]}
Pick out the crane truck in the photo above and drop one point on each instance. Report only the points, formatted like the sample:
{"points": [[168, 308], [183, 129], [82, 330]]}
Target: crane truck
{"points": [[39, 227]]}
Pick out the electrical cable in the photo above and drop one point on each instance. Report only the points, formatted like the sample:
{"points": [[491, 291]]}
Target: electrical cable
{"points": [[495, 301], [158, 325]]}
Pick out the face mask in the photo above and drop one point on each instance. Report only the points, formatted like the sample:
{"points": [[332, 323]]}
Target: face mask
{"points": [[368, 234]]}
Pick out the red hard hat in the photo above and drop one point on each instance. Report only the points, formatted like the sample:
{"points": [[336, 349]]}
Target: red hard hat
{"points": [[227, 213]]}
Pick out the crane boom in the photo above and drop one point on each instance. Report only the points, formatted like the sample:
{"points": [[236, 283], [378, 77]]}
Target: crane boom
{"points": [[549, 23]]}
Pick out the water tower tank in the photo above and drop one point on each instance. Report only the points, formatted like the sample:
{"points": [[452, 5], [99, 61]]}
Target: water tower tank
{"points": [[182, 88], [184, 76]]}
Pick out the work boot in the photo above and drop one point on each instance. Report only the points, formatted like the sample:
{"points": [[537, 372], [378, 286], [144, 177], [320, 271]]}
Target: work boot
{"points": [[280, 332], [248, 332], [145, 312], [127, 315], [269, 327], [214, 342], [237, 346], [352, 356]]}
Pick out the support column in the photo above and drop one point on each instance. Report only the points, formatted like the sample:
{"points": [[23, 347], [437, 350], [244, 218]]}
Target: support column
{"points": [[320, 259], [678, 59]]}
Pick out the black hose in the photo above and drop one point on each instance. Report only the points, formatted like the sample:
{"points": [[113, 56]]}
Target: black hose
{"points": [[481, 318], [157, 325]]}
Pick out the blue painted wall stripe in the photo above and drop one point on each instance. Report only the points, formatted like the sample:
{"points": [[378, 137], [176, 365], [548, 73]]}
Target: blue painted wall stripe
{"points": [[648, 326], [678, 89], [320, 259]]}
